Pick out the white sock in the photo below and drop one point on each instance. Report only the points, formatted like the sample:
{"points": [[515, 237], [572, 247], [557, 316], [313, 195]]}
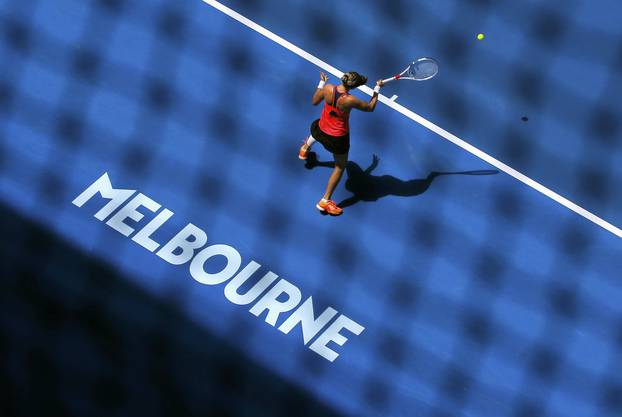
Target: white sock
{"points": [[310, 141]]}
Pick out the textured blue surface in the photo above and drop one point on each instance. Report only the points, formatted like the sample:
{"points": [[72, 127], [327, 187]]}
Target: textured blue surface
{"points": [[480, 296]]}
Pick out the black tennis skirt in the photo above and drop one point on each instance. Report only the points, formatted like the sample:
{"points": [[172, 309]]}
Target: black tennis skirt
{"points": [[334, 144]]}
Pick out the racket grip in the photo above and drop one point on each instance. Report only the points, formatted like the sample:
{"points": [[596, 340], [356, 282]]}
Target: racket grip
{"points": [[395, 77]]}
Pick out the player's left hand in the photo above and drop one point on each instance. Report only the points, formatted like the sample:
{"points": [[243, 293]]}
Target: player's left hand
{"points": [[379, 83], [323, 76]]}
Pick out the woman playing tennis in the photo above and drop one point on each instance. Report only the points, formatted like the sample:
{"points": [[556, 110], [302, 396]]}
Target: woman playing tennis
{"points": [[332, 129]]}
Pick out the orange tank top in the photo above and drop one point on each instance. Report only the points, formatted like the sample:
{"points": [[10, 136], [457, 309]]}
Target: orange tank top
{"points": [[333, 121]]}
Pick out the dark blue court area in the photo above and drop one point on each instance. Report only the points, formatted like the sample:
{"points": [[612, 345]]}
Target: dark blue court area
{"points": [[446, 288]]}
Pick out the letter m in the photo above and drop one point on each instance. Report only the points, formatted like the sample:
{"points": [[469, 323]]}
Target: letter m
{"points": [[104, 188]]}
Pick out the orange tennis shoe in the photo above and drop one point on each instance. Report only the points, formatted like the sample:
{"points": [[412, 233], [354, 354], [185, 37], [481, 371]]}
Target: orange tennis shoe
{"points": [[303, 153], [329, 207]]}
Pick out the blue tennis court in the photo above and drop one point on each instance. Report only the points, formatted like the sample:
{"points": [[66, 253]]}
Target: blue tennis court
{"points": [[162, 253]]}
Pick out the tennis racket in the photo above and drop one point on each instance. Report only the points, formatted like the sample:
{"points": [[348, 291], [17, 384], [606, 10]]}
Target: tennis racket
{"points": [[419, 70]]}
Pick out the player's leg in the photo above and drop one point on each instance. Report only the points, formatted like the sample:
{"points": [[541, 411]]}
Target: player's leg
{"points": [[335, 177], [326, 204]]}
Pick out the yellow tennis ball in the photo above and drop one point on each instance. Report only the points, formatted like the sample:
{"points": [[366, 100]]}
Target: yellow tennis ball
{"points": [[480, 36]]}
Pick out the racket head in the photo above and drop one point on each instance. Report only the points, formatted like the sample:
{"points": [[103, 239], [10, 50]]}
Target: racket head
{"points": [[421, 69]]}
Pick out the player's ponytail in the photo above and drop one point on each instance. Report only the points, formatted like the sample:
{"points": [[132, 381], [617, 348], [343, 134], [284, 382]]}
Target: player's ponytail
{"points": [[353, 79]]}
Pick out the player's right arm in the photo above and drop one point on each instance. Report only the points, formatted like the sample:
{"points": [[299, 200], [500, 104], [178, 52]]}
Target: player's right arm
{"points": [[364, 105]]}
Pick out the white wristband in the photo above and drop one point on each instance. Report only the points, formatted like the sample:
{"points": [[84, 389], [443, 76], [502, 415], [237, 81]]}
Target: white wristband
{"points": [[321, 84], [377, 89]]}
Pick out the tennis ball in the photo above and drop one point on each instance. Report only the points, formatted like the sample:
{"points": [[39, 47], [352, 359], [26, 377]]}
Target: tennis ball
{"points": [[480, 36]]}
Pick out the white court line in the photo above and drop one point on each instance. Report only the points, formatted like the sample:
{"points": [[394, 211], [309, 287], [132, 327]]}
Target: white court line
{"points": [[426, 123]]}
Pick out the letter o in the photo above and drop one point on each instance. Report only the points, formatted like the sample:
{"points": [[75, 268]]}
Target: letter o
{"points": [[234, 260]]}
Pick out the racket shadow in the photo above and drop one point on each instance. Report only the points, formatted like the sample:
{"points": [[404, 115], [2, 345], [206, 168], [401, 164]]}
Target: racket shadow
{"points": [[367, 187]]}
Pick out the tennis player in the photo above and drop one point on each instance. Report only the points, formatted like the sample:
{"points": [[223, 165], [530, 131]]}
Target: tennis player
{"points": [[332, 129]]}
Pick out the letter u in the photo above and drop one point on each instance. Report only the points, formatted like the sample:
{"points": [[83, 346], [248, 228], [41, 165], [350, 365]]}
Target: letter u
{"points": [[232, 287]]}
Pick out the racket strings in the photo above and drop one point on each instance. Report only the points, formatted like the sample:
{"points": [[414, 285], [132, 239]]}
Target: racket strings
{"points": [[422, 69]]}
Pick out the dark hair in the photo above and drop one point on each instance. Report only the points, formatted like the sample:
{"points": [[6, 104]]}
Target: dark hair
{"points": [[353, 79]]}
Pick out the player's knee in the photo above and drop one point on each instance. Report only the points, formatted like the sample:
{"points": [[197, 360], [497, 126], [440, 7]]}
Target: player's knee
{"points": [[340, 166], [340, 161]]}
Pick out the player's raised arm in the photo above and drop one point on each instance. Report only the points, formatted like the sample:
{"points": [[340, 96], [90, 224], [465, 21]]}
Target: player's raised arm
{"points": [[318, 96], [364, 105]]}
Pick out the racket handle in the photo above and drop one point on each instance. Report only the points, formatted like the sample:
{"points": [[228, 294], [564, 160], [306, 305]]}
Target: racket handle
{"points": [[395, 77]]}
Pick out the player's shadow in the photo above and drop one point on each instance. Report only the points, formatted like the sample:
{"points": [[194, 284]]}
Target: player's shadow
{"points": [[367, 187]]}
